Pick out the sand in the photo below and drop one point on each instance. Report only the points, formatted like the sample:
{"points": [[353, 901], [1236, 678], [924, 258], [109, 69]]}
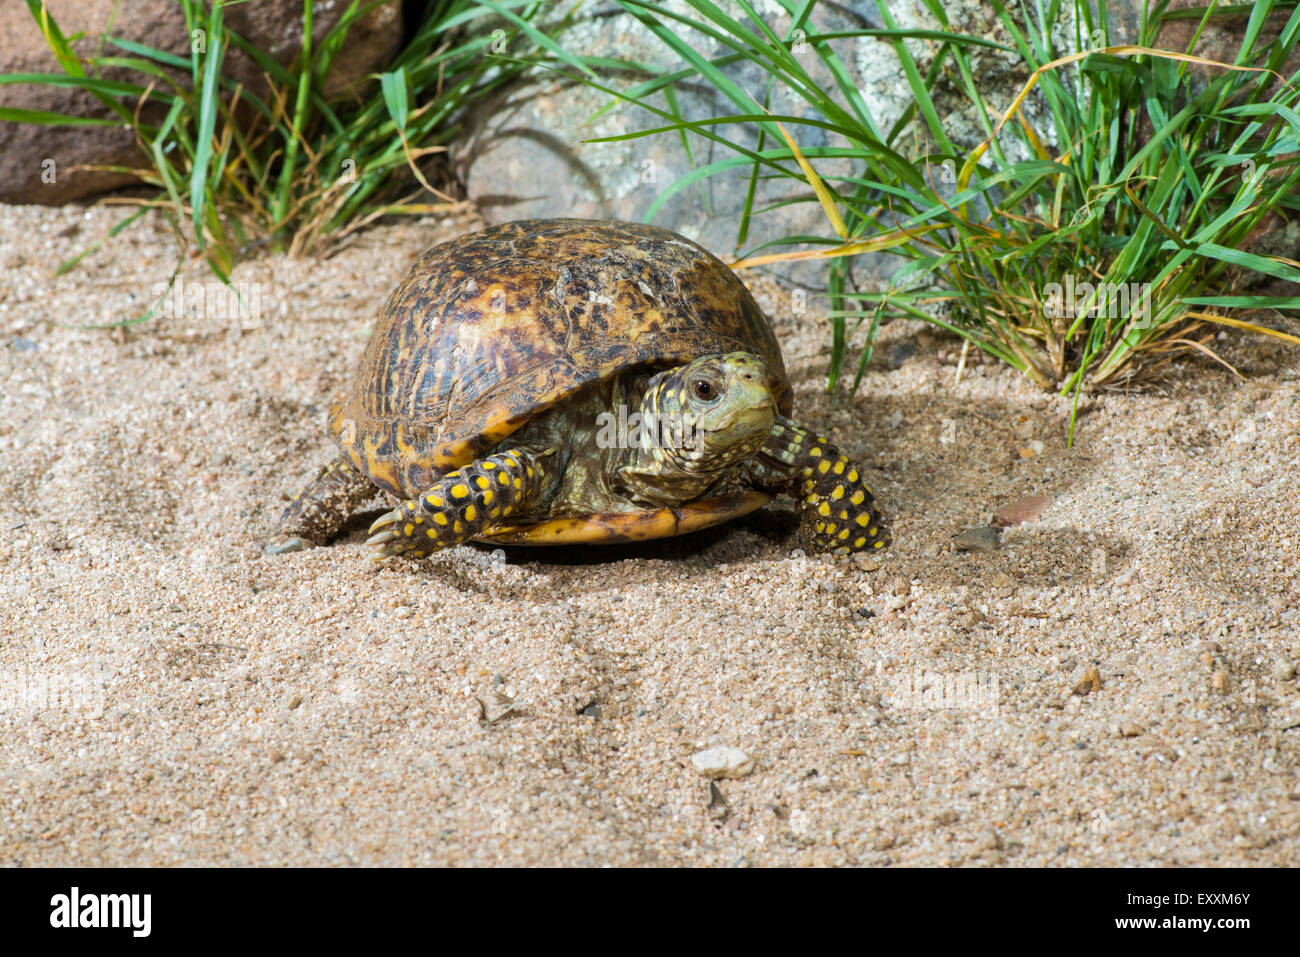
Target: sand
{"points": [[170, 695]]}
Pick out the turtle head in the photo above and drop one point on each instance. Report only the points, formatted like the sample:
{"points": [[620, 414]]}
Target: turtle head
{"points": [[711, 413]]}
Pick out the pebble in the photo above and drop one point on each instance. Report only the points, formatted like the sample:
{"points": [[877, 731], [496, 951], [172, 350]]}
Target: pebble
{"points": [[404, 611], [1129, 730], [900, 352], [867, 562], [983, 539], [1219, 681], [1090, 682], [1003, 585], [1027, 509], [723, 762]]}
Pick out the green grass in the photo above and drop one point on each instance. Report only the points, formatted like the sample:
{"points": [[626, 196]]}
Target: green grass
{"points": [[234, 169], [1143, 183]]}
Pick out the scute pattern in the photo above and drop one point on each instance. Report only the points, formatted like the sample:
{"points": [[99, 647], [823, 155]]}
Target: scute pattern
{"points": [[490, 328]]}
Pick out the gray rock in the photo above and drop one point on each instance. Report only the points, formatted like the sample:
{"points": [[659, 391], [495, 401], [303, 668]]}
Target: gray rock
{"points": [[982, 539], [524, 154]]}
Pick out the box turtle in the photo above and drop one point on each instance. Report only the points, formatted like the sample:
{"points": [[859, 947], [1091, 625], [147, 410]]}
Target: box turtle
{"points": [[567, 380]]}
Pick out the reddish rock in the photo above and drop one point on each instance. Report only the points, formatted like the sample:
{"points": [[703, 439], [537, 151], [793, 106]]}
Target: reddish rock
{"points": [[274, 26], [1027, 509]]}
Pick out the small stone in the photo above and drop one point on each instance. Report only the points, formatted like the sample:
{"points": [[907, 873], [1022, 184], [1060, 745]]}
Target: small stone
{"points": [[1284, 670], [499, 708], [900, 585], [900, 352], [723, 762], [1090, 682], [867, 562], [982, 539], [944, 818], [717, 806], [1129, 730], [404, 611], [1027, 509], [1219, 681]]}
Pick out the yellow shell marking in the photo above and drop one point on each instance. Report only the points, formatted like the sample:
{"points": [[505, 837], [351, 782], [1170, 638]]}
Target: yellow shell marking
{"points": [[459, 491]]}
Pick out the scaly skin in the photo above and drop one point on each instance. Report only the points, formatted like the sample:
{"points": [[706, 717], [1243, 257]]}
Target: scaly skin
{"points": [[463, 504], [318, 513], [838, 514]]}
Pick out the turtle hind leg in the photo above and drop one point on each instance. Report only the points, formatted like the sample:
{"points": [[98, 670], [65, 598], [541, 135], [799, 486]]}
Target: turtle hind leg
{"points": [[321, 510], [463, 504], [838, 512]]}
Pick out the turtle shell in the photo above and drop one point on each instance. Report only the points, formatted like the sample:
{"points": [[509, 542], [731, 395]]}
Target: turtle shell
{"points": [[491, 328]]}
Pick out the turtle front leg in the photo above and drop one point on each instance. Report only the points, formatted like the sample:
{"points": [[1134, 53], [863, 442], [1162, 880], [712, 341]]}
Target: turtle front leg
{"points": [[322, 508], [463, 504], [838, 514]]}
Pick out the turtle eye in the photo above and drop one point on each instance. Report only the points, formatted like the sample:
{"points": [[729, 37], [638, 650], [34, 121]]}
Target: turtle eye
{"points": [[704, 390]]}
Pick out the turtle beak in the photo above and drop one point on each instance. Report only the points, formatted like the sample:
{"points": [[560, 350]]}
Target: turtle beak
{"points": [[755, 417], [750, 396]]}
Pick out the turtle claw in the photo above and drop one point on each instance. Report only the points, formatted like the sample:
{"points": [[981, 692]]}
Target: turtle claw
{"points": [[383, 521], [386, 535], [294, 544]]}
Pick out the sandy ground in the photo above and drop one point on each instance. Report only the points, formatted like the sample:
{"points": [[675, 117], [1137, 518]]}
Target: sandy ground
{"points": [[170, 695]]}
